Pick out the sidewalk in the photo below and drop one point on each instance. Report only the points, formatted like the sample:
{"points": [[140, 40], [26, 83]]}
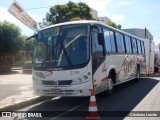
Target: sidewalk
{"points": [[15, 87], [151, 103]]}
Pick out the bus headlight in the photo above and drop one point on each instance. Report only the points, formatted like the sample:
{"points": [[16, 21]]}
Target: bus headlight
{"points": [[80, 80], [85, 77]]}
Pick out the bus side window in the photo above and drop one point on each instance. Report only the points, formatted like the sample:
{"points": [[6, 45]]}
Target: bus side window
{"points": [[111, 33], [128, 44], [142, 44], [97, 50], [109, 41], [139, 47], [134, 45], [120, 43]]}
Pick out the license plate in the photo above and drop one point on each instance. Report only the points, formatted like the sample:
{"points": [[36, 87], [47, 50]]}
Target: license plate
{"points": [[56, 90]]}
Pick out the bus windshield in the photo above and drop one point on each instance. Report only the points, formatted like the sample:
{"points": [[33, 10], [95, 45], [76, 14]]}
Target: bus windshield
{"points": [[62, 47]]}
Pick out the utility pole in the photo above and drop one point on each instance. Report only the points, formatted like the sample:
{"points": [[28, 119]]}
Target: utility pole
{"points": [[145, 33]]}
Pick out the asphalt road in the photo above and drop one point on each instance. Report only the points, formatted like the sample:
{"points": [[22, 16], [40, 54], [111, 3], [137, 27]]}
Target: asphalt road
{"points": [[126, 97]]}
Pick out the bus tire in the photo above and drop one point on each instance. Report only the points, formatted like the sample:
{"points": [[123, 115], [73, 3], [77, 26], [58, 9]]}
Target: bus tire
{"points": [[110, 84], [137, 74]]}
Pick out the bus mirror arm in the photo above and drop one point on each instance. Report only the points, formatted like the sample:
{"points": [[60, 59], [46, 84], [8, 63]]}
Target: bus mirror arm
{"points": [[27, 40], [100, 38], [30, 38]]}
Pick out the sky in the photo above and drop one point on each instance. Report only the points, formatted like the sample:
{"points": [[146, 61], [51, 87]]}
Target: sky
{"points": [[127, 13]]}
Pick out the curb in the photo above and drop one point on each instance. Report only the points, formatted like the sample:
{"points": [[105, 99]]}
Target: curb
{"points": [[151, 76], [24, 103], [27, 71], [17, 68]]}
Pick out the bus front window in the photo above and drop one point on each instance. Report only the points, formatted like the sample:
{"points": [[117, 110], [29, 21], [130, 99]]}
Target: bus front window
{"points": [[62, 47]]}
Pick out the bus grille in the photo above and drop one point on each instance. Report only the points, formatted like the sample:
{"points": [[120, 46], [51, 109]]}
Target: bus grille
{"points": [[60, 82], [65, 82], [49, 82]]}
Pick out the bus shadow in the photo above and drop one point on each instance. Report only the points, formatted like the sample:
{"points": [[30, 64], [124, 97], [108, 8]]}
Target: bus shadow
{"points": [[125, 98], [54, 108]]}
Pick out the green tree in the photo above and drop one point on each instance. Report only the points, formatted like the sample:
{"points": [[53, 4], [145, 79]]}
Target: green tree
{"points": [[67, 12], [75, 19], [111, 23], [10, 38], [11, 41], [119, 26]]}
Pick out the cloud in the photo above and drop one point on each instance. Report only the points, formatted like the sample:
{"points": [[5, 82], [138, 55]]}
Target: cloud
{"points": [[99, 5], [117, 17], [6, 16], [36, 17], [123, 2]]}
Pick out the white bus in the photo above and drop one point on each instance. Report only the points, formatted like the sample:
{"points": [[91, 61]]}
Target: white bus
{"points": [[71, 58]]}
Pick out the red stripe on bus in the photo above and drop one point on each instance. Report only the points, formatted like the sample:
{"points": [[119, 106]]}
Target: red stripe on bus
{"points": [[106, 78]]}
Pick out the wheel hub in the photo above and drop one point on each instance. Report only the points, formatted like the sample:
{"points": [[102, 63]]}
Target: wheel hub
{"points": [[110, 84]]}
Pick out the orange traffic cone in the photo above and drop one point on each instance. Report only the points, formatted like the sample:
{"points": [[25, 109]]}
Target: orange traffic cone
{"points": [[145, 73], [93, 112], [151, 72]]}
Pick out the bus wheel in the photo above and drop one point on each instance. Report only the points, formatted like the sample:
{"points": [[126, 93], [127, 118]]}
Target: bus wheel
{"points": [[137, 74], [110, 85]]}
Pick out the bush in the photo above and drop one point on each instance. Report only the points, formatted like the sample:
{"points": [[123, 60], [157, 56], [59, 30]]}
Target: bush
{"points": [[19, 64], [27, 65]]}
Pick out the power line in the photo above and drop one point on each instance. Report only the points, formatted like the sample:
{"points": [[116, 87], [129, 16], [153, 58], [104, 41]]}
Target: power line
{"points": [[32, 8], [51, 6], [38, 8]]}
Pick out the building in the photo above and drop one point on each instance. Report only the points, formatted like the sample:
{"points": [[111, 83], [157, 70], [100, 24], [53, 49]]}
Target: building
{"points": [[149, 46], [94, 13], [101, 19], [157, 55], [142, 33]]}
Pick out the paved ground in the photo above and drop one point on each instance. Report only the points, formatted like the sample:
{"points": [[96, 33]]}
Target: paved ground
{"points": [[150, 103], [141, 96], [15, 87], [128, 97]]}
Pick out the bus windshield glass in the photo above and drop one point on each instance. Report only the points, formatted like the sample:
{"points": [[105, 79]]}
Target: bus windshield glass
{"points": [[62, 47]]}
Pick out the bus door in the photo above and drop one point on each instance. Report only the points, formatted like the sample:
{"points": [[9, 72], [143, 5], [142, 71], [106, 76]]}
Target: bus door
{"points": [[98, 57]]}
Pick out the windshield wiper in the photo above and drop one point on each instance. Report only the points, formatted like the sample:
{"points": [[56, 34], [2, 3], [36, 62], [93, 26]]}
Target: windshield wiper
{"points": [[66, 55]]}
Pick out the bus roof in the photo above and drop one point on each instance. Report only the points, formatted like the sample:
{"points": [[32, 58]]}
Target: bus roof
{"points": [[91, 22]]}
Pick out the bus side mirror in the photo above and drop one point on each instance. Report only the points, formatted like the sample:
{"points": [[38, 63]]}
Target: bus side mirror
{"points": [[100, 38]]}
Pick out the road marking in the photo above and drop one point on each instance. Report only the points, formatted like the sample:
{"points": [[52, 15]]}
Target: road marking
{"points": [[72, 109], [55, 98]]}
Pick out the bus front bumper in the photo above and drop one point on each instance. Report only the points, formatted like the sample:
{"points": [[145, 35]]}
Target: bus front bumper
{"points": [[61, 92]]}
